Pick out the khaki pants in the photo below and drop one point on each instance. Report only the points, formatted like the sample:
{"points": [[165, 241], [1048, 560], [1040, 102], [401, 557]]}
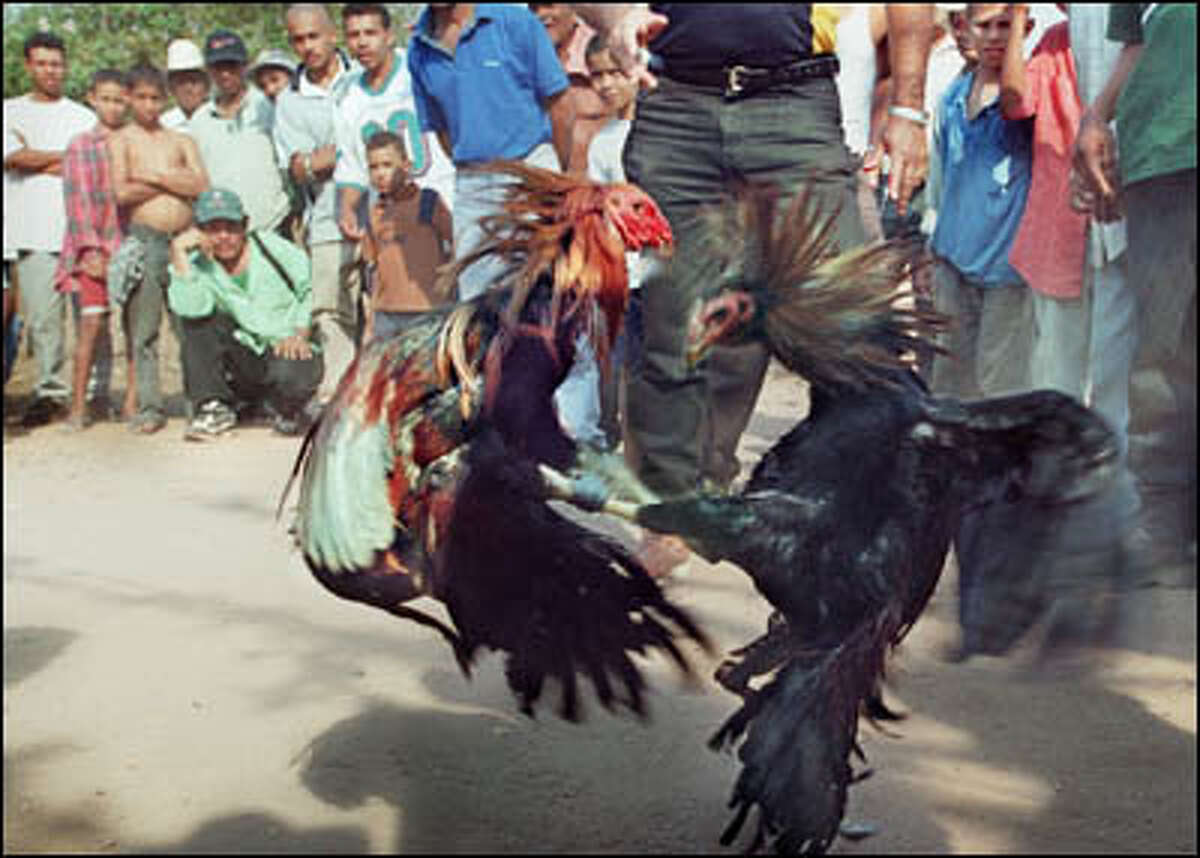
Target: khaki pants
{"points": [[989, 338], [335, 292]]}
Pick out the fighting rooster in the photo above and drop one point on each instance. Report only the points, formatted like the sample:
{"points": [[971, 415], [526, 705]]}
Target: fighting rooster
{"points": [[420, 477], [845, 523]]}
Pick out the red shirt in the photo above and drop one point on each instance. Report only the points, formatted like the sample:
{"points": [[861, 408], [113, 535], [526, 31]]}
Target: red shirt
{"points": [[91, 204], [1051, 241]]}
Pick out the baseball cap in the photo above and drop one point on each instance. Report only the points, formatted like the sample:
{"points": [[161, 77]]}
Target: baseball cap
{"points": [[223, 47], [274, 58], [218, 204], [183, 55]]}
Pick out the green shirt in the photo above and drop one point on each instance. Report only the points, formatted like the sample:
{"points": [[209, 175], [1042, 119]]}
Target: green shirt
{"points": [[265, 309], [1156, 111]]}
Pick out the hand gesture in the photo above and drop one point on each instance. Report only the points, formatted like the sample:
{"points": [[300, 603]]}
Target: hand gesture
{"points": [[628, 40], [1095, 160], [295, 347], [908, 155]]}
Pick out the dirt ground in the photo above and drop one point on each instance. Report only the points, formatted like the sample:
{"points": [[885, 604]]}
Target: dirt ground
{"points": [[174, 681]]}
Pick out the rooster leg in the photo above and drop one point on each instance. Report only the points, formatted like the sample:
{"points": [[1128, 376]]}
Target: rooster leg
{"points": [[760, 656], [587, 494]]}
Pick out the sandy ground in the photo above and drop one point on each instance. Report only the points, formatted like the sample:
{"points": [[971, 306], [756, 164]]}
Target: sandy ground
{"points": [[174, 681]]}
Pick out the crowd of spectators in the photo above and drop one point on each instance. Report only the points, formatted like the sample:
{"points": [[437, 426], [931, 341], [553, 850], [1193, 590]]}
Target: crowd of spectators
{"points": [[285, 211]]}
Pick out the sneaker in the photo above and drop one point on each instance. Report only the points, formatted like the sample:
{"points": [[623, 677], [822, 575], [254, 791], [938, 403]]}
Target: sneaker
{"points": [[213, 419]]}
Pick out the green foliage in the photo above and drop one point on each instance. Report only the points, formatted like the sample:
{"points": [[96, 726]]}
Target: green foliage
{"points": [[120, 35]]}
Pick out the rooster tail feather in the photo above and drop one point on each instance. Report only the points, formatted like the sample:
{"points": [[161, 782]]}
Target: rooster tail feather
{"points": [[796, 735], [570, 602]]}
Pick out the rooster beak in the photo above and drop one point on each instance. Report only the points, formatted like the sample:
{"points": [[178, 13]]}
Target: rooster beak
{"points": [[714, 320]]}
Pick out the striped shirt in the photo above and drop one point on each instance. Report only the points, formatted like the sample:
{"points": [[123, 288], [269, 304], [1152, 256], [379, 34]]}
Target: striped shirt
{"points": [[90, 202]]}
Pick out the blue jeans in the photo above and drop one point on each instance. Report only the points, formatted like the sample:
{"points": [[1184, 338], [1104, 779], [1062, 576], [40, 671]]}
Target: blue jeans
{"points": [[687, 147]]}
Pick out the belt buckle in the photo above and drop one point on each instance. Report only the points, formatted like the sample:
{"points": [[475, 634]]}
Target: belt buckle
{"points": [[733, 83]]}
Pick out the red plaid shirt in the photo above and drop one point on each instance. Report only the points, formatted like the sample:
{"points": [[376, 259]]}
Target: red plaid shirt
{"points": [[91, 204]]}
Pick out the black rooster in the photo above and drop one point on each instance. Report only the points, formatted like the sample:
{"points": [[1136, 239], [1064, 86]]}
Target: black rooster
{"points": [[845, 523], [420, 477]]}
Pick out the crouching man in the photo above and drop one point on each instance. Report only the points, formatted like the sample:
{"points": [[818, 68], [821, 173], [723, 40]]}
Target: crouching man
{"points": [[244, 302]]}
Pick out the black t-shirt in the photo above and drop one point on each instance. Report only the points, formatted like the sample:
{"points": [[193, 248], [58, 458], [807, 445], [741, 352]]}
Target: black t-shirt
{"points": [[713, 35]]}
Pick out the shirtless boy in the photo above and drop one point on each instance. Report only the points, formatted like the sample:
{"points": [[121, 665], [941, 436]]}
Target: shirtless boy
{"points": [[409, 235], [157, 174]]}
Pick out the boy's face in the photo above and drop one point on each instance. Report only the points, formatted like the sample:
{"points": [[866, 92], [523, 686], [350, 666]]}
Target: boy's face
{"points": [[388, 169], [146, 102], [272, 81], [228, 76], [190, 88], [369, 41], [990, 25], [110, 101], [613, 85]]}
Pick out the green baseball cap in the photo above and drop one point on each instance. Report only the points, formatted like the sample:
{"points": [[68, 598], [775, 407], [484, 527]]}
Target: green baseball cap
{"points": [[218, 204]]}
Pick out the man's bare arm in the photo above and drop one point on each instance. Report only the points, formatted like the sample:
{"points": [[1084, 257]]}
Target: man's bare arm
{"points": [[1014, 83], [129, 191], [910, 32], [1095, 150], [191, 180], [31, 161], [561, 119], [348, 199]]}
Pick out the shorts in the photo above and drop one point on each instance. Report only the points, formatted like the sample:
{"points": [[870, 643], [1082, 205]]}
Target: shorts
{"points": [[93, 296]]}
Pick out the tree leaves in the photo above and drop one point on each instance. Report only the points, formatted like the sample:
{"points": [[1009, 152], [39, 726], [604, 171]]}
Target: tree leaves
{"points": [[121, 35]]}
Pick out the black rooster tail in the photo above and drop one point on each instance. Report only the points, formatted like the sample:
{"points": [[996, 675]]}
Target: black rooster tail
{"points": [[1044, 532], [557, 599], [796, 735]]}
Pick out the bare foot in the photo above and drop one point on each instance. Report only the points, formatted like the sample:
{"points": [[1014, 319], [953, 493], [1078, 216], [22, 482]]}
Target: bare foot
{"points": [[661, 554]]}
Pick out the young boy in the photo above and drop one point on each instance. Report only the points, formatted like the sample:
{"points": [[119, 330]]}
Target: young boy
{"points": [[409, 236], [986, 164], [92, 235], [588, 399], [157, 173]]}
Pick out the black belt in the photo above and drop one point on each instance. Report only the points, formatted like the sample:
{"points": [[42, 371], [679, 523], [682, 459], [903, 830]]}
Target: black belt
{"points": [[740, 81]]}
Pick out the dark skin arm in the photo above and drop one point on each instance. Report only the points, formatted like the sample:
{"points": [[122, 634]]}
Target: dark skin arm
{"points": [[910, 33], [561, 119], [129, 191], [1014, 83], [188, 181]]}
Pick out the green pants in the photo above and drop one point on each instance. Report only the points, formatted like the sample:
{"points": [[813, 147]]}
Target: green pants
{"points": [[687, 149]]}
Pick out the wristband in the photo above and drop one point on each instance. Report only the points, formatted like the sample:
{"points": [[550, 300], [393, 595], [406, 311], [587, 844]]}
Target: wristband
{"points": [[920, 117]]}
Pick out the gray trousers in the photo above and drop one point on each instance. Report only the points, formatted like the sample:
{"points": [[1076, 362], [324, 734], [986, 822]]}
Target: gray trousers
{"points": [[688, 145], [335, 290], [143, 318], [43, 309]]}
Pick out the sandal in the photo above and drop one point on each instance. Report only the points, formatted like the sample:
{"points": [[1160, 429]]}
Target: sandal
{"points": [[75, 423]]}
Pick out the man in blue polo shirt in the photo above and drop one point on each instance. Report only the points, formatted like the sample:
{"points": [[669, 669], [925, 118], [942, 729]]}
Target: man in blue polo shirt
{"points": [[487, 81]]}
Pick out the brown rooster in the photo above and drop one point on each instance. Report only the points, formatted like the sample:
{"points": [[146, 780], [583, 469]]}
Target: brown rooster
{"points": [[420, 477]]}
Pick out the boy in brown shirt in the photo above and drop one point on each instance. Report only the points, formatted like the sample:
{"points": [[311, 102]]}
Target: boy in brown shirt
{"points": [[409, 236]]}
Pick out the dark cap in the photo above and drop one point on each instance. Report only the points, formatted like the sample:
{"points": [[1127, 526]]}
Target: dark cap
{"points": [[224, 47], [218, 204]]}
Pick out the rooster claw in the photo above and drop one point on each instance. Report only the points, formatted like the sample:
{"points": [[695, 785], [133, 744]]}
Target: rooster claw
{"points": [[732, 678]]}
